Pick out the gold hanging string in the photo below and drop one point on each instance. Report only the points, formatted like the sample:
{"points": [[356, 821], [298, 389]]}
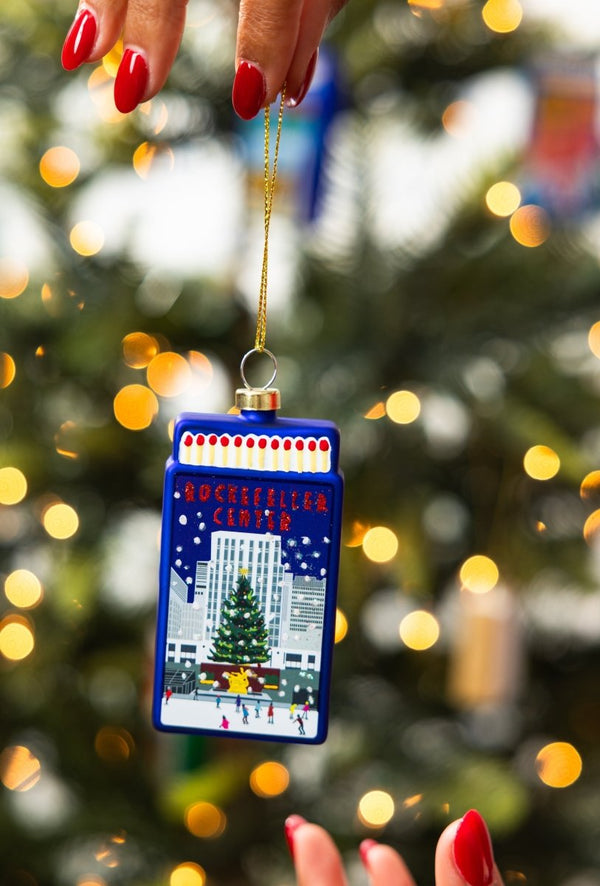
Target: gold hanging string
{"points": [[270, 179]]}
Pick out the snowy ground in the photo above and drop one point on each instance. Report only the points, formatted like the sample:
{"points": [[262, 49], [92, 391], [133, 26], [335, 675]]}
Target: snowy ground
{"points": [[203, 713]]}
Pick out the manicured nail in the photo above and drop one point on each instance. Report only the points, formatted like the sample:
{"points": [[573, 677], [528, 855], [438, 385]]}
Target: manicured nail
{"points": [[291, 825], [131, 81], [294, 100], [249, 90], [473, 853], [364, 849], [79, 42]]}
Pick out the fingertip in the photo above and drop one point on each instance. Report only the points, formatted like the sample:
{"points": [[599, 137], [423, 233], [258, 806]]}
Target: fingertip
{"points": [[290, 826]]}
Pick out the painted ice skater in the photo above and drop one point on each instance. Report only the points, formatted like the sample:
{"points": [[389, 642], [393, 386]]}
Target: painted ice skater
{"points": [[218, 702], [168, 694], [244, 714], [257, 710], [300, 723], [305, 709], [224, 722], [271, 714], [293, 711], [238, 704]]}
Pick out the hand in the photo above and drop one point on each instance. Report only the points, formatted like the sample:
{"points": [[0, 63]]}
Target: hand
{"points": [[463, 856], [277, 43]]}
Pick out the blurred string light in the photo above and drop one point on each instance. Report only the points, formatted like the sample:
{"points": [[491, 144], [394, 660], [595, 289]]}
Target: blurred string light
{"points": [[403, 407], [14, 277], [114, 744], [503, 198], [419, 630], [59, 166], [20, 769], [91, 880], [205, 820], [590, 485], [187, 874], [201, 367], [357, 534], [375, 809], [16, 637], [139, 349], [594, 339], [375, 412], [502, 16], [60, 520], [530, 225], [558, 764], [341, 626], [146, 155], [591, 527], [100, 88], [457, 118], [63, 440], [13, 486], [135, 407], [8, 370], [23, 589], [112, 59], [169, 374], [86, 238], [269, 779], [479, 574], [541, 463], [380, 544], [417, 6]]}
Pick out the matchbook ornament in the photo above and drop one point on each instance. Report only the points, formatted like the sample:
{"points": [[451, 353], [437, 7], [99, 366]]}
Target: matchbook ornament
{"points": [[249, 566]]}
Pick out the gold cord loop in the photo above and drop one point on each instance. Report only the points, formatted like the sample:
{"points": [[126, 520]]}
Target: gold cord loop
{"points": [[270, 179]]}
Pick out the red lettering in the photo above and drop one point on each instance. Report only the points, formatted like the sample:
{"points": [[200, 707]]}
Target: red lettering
{"points": [[231, 516], [217, 516], [284, 521], [295, 504], [244, 518], [282, 501], [270, 521], [322, 503], [308, 502], [257, 518], [189, 491], [257, 494], [244, 496], [219, 490], [232, 495], [270, 498], [204, 492]]}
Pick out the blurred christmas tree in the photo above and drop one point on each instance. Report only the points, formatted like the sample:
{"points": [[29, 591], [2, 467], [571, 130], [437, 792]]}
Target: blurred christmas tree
{"points": [[451, 331]]}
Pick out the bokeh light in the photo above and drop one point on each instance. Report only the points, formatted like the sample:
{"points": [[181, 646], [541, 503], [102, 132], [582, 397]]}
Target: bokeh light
{"points": [[60, 520], [419, 630], [376, 809], [23, 588], [112, 59], [205, 820], [135, 407], [114, 744], [380, 544], [530, 225], [59, 166], [63, 440], [169, 374], [403, 407], [456, 118], [591, 527], [187, 874], [502, 16], [8, 369], [20, 769], [479, 574], [590, 485], [541, 463], [16, 638], [145, 156], [503, 198], [594, 339], [91, 880], [341, 626], [14, 277], [86, 238], [139, 349], [13, 486], [269, 779], [558, 764], [201, 366]]}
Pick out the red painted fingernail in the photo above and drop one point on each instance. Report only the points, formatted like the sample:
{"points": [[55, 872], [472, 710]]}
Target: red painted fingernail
{"points": [[364, 849], [79, 42], [473, 853], [291, 825], [294, 100], [131, 81], [249, 90]]}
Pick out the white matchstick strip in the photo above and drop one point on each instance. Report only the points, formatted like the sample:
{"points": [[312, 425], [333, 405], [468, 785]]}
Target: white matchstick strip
{"points": [[324, 455], [185, 449], [310, 461]]}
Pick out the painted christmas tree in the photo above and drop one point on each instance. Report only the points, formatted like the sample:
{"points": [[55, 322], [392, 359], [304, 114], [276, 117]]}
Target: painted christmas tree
{"points": [[242, 635]]}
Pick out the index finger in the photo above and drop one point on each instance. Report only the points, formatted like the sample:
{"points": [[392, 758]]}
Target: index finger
{"points": [[316, 858]]}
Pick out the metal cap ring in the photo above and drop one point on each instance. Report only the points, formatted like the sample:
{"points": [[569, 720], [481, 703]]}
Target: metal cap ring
{"points": [[243, 364]]}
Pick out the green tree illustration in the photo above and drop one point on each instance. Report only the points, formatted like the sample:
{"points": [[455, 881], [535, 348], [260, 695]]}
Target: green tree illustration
{"points": [[242, 635]]}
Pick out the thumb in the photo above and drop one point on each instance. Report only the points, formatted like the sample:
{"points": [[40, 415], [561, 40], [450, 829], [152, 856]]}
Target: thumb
{"points": [[464, 854]]}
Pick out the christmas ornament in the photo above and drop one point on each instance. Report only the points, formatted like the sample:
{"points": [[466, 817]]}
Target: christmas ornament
{"points": [[249, 562]]}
